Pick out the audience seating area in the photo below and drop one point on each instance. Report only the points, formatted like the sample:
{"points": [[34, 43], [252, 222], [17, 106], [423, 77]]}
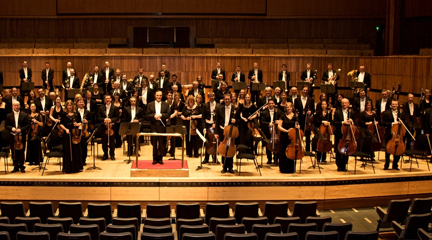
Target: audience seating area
{"points": [[425, 52]]}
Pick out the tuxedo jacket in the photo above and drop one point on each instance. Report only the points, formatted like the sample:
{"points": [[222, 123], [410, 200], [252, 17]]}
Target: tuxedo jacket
{"points": [[8, 103], [170, 84], [304, 75], [310, 103], [262, 101], [110, 73], [215, 73], [378, 107], [129, 86], [76, 82], [242, 77], [290, 99], [50, 75], [24, 122], [265, 119], [149, 96], [99, 80], [338, 119], [220, 118], [122, 93], [151, 111], [325, 75], [288, 77], [207, 112], [127, 114], [357, 103], [87, 116], [406, 109], [251, 74], [388, 120], [22, 75], [167, 74], [191, 93], [113, 114], [93, 105], [48, 104], [165, 83], [64, 75], [137, 81], [366, 79]]}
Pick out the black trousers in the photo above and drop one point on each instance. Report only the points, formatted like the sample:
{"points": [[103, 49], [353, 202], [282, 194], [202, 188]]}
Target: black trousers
{"points": [[341, 160], [131, 140], [84, 149], [395, 161], [105, 146], [18, 155], [227, 162], [192, 145], [159, 143]]}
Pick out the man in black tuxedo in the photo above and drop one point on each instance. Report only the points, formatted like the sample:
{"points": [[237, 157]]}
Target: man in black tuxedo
{"points": [[117, 76], [138, 79], [107, 77], [166, 72], [17, 122], [342, 116], [86, 118], [255, 76], [238, 76], [66, 72], [364, 77], [309, 76], [209, 121], [292, 98], [118, 90], [200, 84], [43, 104], [95, 78], [218, 70], [411, 111], [195, 90], [382, 104], [108, 114], [14, 97], [47, 77], [284, 76], [267, 120], [277, 95], [152, 84], [145, 96], [162, 83], [90, 104], [126, 85], [25, 74], [306, 108], [360, 102], [263, 100], [329, 76], [157, 113], [71, 82], [174, 82], [225, 115], [135, 114]]}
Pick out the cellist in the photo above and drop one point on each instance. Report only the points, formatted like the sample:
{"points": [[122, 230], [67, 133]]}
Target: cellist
{"points": [[324, 117], [268, 118], [208, 116]]}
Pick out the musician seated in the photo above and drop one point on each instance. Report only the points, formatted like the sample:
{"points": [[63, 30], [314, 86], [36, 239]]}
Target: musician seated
{"points": [[132, 114], [360, 102]]}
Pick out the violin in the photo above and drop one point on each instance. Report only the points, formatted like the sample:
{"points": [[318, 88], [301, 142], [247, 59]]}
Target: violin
{"points": [[251, 124], [76, 135], [85, 128], [396, 145], [326, 144], [348, 144], [273, 144], [295, 149], [192, 125], [211, 143], [34, 131], [308, 120], [18, 145], [49, 121], [60, 130], [227, 147]]}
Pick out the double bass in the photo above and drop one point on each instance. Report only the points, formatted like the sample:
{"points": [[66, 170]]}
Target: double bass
{"points": [[295, 149], [348, 144]]}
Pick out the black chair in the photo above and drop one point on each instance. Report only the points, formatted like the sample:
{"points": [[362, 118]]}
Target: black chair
{"points": [[241, 236], [304, 210], [13, 229], [424, 235], [320, 221], [245, 151], [191, 222], [12, 210], [155, 236], [281, 236], [71, 209], [122, 228], [128, 221], [74, 236], [362, 235], [341, 228], [332, 235], [157, 221], [65, 222], [222, 230], [116, 236], [55, 152], [414, 222], [43, 210], [52, 229], [126, 210], [4, 219], [157, 229], [29, 221], [199, 236], [4, 236], [245, 210], [98, 221], [397, 211], [285, 222], [261, 230], [216, 221], [249, 222], [33, 236], [188, 211], [92, 229], [218, 210], [158, 211], [363, 149], [275, 209], [5, 154], [192, 229], [420, 206], [98, 210], [302, 228]]}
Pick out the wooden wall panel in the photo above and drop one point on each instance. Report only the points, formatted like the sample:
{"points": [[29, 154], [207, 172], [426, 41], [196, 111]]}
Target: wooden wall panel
{"points": [[214, 7], [66, 6], [28, 8], [148, 6], [417, 8]]}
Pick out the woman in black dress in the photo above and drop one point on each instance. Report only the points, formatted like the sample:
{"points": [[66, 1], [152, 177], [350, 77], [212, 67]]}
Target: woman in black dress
{"points": [[245, 114], [200, 122], [72, 157], [286, 122], [34, 149], [323, 97], [119, 104], [367, 118], [31, 99], [190, 113], [56, 114], [426, 103], [219, 94], [97, 95], [283, 102], [178, 108], [321, 117]]}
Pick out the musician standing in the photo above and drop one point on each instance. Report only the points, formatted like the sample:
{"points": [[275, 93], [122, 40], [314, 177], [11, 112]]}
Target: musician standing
{"points": [[306, 107], [25, 74], [66, 72], [107, 115], [71, 82], [309, 76], [292, 98], [284, 76], [342, 116], [208, 116], [85, 117], [360, 103], [382, 104], [167, 73], [323, 116], [132, 114], [139, 78], [264, 100], [14, 97], [238, 76], [145, 96], [364, 77], [190, 114], [107, 76], [411, 111], [126, 85], [331, 76], [47, 77], [255, 76], [268, 119], [17, 122], [174, 83]]}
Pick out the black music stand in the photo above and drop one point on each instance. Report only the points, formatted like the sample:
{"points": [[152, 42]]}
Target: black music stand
{"points": [[315, 164], [129, 128], [214, 83], [1, 87], [92, 137], [176, 129], [258, 86], [300, 85], [27, 86], [280, 84], [72, 92], [237, 86], [204, 140], [354, 85], [327, 88]]}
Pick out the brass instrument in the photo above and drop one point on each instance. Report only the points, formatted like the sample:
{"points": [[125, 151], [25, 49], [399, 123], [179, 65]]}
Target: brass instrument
{"points": [[353, 75], [311, 80], [332, 80], [67, 83]]}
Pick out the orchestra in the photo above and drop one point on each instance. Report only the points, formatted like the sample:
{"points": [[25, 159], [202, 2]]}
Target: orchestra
{"points": [[275, 118]]}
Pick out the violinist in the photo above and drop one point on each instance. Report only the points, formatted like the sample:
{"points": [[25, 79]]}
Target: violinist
{"points": [[241, 96], [131, 114], [14, 97], [412, 112], [268, 119], [195, 90], [17, 123], [43, 105], [175, 91], [56, 113], [190, 114], [72, 153], [145, 96], [286, 121], [107, 115], [31, 99], [208, 117], [426, 103], [90, 104], [306, 107], [246, 115], [225, 116], [85, 117], [341, 117], [323, 116], [34, 149]]}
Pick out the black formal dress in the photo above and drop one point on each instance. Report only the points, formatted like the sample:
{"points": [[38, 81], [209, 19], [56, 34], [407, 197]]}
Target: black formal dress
{"points": [[286, 165], [55, 139], [34, 148], [208, 121], [192, 143], [72, 153], [243, 126], [318, 117], [3, 142]]}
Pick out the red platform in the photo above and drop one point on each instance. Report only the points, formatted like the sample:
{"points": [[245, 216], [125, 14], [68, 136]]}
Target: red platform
{"points": [[170, 168]]}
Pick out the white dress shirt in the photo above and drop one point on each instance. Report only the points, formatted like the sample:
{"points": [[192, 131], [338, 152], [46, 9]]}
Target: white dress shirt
{"points": [[158, 106], [81, 112], [88, 104], [71, 79], [361, 77], [107, 73], [42, 99], [144, 95], [256, 75], [308, 73], [47, 73], [383, 104], [25, 72], [330, 73], [362, 104], [271, 114], [133, 113], [108, 107], [411, 108], [16, 116], [95, 78], [227, 115], [345, 114], [395, 115]]}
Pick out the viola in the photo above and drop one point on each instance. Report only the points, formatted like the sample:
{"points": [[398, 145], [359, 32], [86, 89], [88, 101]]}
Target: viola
{"points": [[295, 149], [85, 128], [348, 144], [193, 125], [35, 128], [49, 121], [273, 144], [326, 144], [396, 145], [308, 120], [255, 132], [18, 145]]}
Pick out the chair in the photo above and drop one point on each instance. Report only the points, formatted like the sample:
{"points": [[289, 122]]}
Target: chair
{"points": [[249, 222], [420, 206], [199, 236], [261, 230], [4, 236], [29, 221], [12, 210], [123, 228], [285, 222], [157, 229], [302, 228], [414, 222], [157, 221], [65, 222], [158, 211], [362, 235], [245, 210], [125, 210], [332, 235], [33, 236], [52, 154], [191, 222], [222, 230], [13, 229], [74, 236], [275, 209], [187, 211], [424, 235], [73, 210], [363, 149], [92, 229], [397, 211], [98, 221], [304, 210], [52, 229], [246, 152], [218, 210], [153, 236], [281, 236], [341, 228], [192, 229], [241, 236], [216, 221], [4, 219], [128, 221], [5, 156], [97, 210], [43, 210], [421, 151], [116, 236], [320, 221]]}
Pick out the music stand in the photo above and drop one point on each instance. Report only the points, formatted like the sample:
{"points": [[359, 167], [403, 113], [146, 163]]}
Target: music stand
{"points": [[354, 84], [280, 84], [72, 92], [27, 86], [90, 89], [214, 83], [321, 137], [92, 137], [300, 85], [129, 128], [327, 88], [204, 140], [237, 86], [258, 86], [176, 129]]}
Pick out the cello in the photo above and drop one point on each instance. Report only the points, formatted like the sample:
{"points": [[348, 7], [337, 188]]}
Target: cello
{"points": [[295, 149], [348, 144], [377, 134], [273, 144], [325, 145], [211, 145], [227, 147]]}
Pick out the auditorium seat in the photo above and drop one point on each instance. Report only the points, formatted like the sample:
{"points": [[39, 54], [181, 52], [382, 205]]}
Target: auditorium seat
{"points": [[241, 236], [249, 222], [153, 236], [199, 236], [262, 229], [12, 210], [341, 228], [65, 222], [161, 51], [420, 206], [396, 211], [302, 228], [320, 221], [116, 236], [218, 210], [373, 235], [71, 209], [285, 222], [43, 51], [157, 221], [52, 229], [188, 210], [333, 235], [128, 210], [190, 222], [61, 51], [74, 236], [97, 210], [281, 236], [123, 228], [4, 235], [4, 220], [12, 229], [204, 41], [158, 211], [101, 222], [414, 222], [192, 229], [222, 230], [157, 229], [29, 221], [242, 210], [214, 221], [127, 221], [424, 235], [304, 210], [33, 236], [275, 209], [44, 210], [92, 229]]}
